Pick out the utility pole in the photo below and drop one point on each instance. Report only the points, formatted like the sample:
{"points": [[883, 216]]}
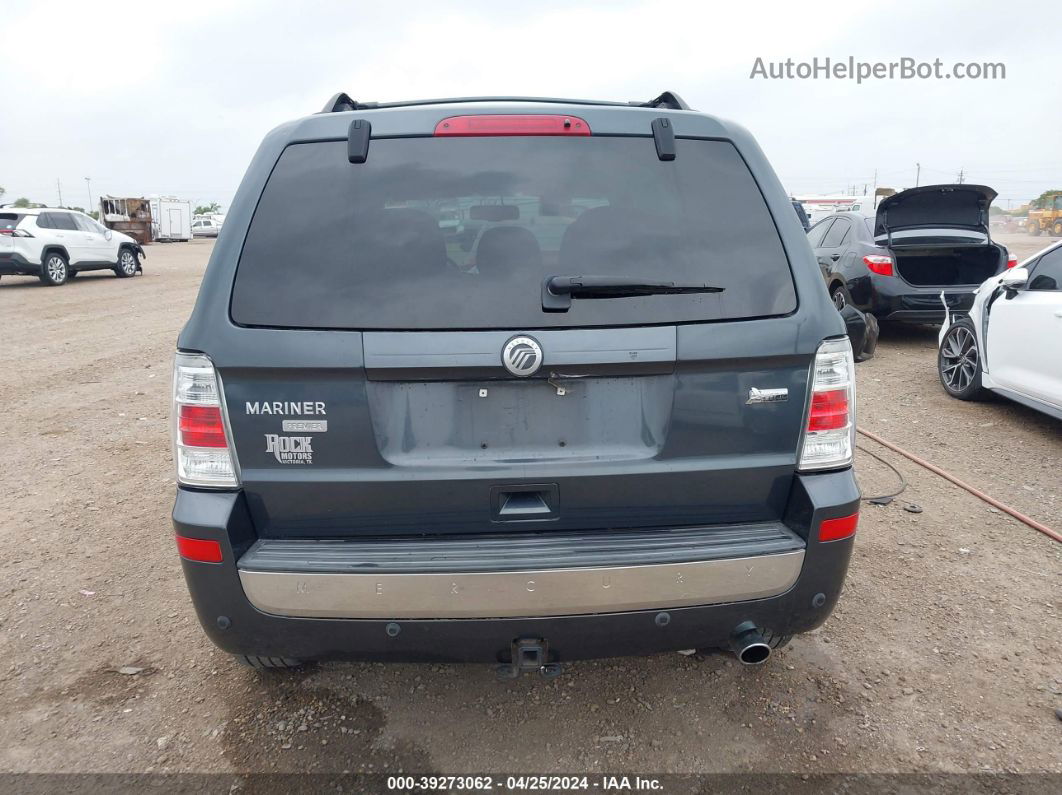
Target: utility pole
{"points": [[60, 189], [918, 173], [88, 183], [961, 177]]}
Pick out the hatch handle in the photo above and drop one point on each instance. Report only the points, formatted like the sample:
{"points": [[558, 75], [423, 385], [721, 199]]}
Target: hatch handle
{"points": [[531, 502]]}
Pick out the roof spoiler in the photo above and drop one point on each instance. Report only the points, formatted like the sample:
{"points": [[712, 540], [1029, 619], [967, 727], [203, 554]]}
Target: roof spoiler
{"points": [[341, 102], [669, 100]]}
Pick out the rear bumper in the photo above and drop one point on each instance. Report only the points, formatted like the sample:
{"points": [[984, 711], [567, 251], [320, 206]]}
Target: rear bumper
{"points": [[786, 592], [14, 264], [896, 301], [520, 575]]}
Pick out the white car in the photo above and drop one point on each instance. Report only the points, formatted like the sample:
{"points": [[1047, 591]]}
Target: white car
{"points": [[205, 227], [1011, 342], [55, 245]]}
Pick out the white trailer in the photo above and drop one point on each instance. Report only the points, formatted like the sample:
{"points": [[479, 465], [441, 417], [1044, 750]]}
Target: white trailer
{"points": [[171, 218]]}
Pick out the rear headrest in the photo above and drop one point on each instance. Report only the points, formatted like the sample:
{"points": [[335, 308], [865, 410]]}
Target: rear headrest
{"points": [[505, 249], [608, 237], [405, 242]]}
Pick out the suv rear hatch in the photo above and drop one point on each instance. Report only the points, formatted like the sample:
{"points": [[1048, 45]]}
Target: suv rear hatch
{"points": [[938, 235], [377, 400]]}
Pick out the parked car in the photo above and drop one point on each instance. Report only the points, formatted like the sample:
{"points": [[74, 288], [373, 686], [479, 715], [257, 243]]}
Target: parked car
{"points": [[56, 244], [205, 227], [1011, 340], [631, 437], [922, 241]]}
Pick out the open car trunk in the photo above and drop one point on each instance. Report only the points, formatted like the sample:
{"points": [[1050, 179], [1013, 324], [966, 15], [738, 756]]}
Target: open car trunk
{"points": [[948, 266]]}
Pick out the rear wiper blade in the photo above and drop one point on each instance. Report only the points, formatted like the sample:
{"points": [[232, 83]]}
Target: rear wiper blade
{"points": [[558, 291]]}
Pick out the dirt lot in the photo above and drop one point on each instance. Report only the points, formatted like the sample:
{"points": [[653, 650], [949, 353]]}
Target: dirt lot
{"points": [[944, 654]]}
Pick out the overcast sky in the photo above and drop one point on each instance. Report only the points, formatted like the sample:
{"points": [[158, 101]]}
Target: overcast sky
{"points": [[173, 98]]}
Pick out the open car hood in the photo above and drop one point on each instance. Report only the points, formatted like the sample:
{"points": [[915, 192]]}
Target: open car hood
{"points": [[935, 211]]}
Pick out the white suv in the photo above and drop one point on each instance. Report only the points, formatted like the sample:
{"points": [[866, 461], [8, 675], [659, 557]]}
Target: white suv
{"points": [[55, 245]]}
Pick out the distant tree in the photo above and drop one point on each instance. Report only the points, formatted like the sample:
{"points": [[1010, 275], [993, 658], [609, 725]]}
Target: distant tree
{"points": [[1038, 202], [2, 192], [208, 209], [23, 202], [993, 210]]}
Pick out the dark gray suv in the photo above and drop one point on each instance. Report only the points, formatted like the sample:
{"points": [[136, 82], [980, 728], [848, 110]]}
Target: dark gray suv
{"points": [[512, 380]]}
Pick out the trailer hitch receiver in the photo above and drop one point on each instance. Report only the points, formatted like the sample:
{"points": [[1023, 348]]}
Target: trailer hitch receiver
{"points": [[529, 655]]}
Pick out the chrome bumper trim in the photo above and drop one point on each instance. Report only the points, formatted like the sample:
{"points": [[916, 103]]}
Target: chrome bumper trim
{"points": [[525, 594]]}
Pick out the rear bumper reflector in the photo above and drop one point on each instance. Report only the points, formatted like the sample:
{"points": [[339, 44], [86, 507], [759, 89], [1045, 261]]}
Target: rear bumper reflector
{"points": [[198, 549], [530, 593], [836, 529]]}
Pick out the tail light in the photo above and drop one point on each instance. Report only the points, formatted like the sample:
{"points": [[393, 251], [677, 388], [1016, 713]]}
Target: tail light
{"points": [[201, 444], [879, 264], [829, 435], [1012, 260], [15, 232]]}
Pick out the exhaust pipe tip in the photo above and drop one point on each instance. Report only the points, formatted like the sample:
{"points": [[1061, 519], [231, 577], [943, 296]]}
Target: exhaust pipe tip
{"points": [[748, 644], [754, 654]]}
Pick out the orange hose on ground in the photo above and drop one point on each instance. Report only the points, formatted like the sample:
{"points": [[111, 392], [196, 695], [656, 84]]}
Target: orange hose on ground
{"points": [[1035, 525]]}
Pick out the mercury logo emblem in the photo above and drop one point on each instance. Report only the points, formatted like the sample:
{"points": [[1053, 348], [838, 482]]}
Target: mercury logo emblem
{"points": [[522, 356]]}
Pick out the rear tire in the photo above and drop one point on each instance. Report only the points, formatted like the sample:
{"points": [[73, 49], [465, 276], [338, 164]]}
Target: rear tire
{"points": [[1034, 230], [1056, 230], [776, 641], [959, 362], [259, 663], [55, 269], [772, 639], [840, 296], [127, 265]]}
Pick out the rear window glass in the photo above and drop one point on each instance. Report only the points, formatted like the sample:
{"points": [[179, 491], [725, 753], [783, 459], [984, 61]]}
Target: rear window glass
{"points": [[9, 220], [435, 233]]}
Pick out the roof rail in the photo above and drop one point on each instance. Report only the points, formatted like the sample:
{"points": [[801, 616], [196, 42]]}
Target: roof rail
{"points": [[342, 102]]}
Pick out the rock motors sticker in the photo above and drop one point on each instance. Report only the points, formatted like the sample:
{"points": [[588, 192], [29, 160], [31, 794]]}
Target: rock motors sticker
{"points": [[290, 449]]}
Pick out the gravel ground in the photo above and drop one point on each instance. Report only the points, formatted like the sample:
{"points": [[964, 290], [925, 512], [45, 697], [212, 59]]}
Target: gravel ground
{"points": [[942, 656]]}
